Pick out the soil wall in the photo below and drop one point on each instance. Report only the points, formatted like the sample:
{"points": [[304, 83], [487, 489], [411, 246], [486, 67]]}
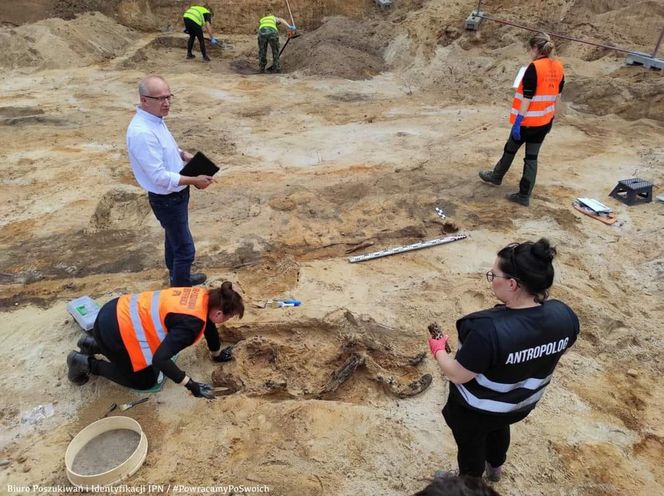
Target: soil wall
{"points": [[231, 16]]}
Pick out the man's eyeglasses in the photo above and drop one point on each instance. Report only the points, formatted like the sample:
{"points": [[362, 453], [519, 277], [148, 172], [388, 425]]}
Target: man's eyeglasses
{"points": [[491, 275], [161, 99]]}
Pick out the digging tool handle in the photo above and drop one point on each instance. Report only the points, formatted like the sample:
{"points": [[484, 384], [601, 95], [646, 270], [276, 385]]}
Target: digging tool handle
{"points": [[290, 12], [112, 407], [284, 47], [281, 51], [132, 404]]}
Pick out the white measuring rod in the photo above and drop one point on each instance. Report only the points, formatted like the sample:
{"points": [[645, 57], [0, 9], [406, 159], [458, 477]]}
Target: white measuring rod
{"points": [[403, 249]]}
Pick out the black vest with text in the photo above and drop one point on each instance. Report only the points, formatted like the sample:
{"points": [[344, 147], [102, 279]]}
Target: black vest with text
{"points": [[527, 344]]}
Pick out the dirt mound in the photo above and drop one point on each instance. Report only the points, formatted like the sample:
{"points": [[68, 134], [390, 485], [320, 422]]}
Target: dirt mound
{"points": [[69, 9], [632, 93], [623, 23], [436, 55], [121, 206], [341, 47], [56, 43]]}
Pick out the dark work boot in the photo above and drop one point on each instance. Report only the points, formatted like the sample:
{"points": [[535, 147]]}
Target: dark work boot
{"points": [[488, 177], [518, 198], [197, 279], [191, 56], [492, 473], [79, 368], [206, 58], [88, 345], [262, 70]]}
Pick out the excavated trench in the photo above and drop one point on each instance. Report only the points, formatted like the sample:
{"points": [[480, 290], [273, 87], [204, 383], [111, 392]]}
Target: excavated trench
{"points": [[339, 357]]}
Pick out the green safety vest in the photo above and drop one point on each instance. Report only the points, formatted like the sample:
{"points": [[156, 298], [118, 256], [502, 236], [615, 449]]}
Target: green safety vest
{"points": [[268, 22], [196, 14]]}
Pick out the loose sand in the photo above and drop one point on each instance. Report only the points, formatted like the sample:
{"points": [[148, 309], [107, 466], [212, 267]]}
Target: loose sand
{"points": [[106, 452]]}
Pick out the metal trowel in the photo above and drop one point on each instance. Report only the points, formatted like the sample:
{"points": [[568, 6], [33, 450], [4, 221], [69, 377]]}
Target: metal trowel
{"points": [[126, 406], [132, 404]]}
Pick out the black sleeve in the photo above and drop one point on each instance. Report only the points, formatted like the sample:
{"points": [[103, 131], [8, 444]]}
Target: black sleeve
{"points": [[212, 336], [182, 332], [477, 351], [576, 326], [529, 82], [561, 85], [207, 17]]}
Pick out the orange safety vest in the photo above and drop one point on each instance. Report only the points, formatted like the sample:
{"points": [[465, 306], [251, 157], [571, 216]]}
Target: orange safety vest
{"points": [[543, 105], [141, 319]]}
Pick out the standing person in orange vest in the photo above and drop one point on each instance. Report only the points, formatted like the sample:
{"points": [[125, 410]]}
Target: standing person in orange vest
{"points": [[533, 109], [140, 334]]}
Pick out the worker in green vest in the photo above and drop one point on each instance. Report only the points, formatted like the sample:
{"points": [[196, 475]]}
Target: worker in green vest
{"points": [[268, 33], [197, 18]]}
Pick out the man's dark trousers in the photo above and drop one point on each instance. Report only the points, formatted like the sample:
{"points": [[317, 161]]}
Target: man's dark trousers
{"points": [[172, 211]]}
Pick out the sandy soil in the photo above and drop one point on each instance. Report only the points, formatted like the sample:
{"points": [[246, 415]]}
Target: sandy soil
{"points": [[316, 163]]}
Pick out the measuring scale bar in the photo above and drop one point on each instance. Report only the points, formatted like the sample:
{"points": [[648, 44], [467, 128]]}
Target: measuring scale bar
{"points": [[406, 248]]}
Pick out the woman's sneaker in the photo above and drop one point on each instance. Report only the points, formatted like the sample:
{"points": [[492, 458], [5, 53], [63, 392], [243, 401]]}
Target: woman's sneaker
{"points": [[491, 473]]}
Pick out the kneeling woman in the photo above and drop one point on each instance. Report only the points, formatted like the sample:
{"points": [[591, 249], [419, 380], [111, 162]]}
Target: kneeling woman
{"points": [[141, 333]]}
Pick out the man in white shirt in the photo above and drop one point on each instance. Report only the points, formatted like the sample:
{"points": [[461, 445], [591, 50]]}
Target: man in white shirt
{"points": [[156, 162]]}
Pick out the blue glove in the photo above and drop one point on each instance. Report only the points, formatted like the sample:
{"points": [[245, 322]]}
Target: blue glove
{"points": [[214, 41], [516, 128], [292, 28]]}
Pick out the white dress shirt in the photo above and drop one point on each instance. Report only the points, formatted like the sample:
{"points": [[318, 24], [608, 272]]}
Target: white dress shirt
{"points": [[154, 154]]}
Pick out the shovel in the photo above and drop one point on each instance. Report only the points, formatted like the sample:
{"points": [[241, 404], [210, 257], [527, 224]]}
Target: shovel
{"points": [[291, 35]]}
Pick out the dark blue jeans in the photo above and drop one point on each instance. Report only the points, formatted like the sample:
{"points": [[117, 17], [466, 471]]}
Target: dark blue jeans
{"points": [[172, 211]]}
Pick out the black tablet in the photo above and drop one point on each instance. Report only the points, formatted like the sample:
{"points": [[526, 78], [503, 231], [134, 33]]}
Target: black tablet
{"points": [[199, 165]]}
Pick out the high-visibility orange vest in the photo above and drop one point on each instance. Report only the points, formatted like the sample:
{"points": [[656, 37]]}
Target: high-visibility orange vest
{"points": [[543, 105], [141, 319]]}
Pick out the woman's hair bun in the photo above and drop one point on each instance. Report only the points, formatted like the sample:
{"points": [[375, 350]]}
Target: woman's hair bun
{"points": [[543, 250]]}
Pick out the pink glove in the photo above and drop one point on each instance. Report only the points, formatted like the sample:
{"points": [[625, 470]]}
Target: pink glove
{"points": [[436, 345]]}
